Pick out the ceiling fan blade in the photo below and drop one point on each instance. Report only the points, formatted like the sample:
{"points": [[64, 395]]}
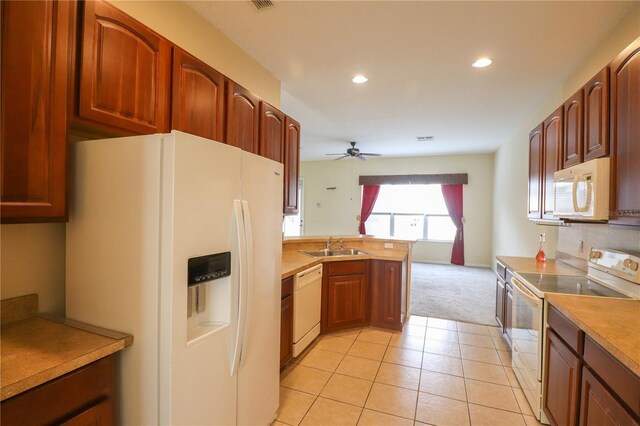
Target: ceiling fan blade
{"points": [[342, 153], [371, 154], [361, 157], [344, 156]]}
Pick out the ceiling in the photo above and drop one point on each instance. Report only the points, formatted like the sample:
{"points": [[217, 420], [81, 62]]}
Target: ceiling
{"points": [[417, 56]]}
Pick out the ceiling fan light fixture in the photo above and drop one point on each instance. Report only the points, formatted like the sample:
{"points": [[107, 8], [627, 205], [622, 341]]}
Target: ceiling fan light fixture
{"points": [[482, 62], [359, 79]]}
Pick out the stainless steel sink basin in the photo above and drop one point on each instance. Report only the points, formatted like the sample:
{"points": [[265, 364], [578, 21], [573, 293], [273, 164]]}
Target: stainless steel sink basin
{"points": [[349, 252], [327, 253]]}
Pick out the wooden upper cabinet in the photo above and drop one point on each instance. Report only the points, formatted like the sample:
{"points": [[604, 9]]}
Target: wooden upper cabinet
{"points": [[291, 165], [197, 97], [552, 154], [124, 72], [573, 133], [35, 81], [596, 116], [535, 173], [625, 136], [242, 118], [272, 126]]}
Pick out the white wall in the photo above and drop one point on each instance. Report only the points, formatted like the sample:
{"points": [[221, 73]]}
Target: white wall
{"points": [[513, 234], [334, 211], [33, 256]]}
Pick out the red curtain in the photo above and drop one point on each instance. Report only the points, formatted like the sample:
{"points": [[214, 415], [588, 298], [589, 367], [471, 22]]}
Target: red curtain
{"points": [[453, 198], [369, 196]]}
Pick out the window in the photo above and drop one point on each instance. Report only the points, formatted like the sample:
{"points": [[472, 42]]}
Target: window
{"points": [[411, 211]]}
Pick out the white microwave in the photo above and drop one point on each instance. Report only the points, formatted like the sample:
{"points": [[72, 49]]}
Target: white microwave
{"points": [[581, 192]]}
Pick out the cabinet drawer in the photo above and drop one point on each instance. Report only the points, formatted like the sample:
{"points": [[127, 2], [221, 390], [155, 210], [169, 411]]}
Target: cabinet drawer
{"points": [[508, 275], [572, 335], [287, 288], [64, 398], [501, 270], [622, 381], [348, 267]]}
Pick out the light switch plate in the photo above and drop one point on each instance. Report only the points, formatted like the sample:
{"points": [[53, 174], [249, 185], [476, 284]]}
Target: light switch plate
{"points": [[388, 245]]}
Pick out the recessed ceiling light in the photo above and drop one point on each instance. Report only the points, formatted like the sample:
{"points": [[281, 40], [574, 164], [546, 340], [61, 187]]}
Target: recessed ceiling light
{"points": [[359, 79], [482, 62]]}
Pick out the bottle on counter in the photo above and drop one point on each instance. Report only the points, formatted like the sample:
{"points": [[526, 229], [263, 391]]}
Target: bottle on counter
{"points": [[540, 256]]}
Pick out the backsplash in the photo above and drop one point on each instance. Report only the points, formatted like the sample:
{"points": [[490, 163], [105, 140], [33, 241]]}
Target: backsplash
{"points": [[597, 235]]}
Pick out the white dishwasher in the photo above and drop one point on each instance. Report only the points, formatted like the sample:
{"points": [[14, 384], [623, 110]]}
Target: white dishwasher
{"points": [[307, 289]]}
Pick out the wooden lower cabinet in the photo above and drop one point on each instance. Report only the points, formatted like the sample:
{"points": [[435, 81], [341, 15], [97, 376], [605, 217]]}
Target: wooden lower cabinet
{"points": [[562, 378], [286, 322], [386, 294], [346, 301], [83, 397], [598, 407]]}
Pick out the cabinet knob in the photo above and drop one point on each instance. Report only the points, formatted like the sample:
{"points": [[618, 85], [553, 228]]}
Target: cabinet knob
{"points": [[595, 254]]}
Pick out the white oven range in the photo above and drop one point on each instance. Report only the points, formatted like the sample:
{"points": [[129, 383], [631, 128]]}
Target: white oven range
{"points": [[610, 274]]}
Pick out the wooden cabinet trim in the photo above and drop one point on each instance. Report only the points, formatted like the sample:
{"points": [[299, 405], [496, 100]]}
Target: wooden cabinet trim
{"points": [[291, 165]]}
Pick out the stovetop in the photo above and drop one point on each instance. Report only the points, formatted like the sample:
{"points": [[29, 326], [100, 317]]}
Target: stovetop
{"points": [[569, 284]]}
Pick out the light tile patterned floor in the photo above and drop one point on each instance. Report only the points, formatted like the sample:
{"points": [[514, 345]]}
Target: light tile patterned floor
{"points": [[436, 372]]}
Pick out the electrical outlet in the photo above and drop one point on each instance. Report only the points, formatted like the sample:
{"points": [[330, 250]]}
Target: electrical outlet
{"points": [[388, 245], [580, 246]]}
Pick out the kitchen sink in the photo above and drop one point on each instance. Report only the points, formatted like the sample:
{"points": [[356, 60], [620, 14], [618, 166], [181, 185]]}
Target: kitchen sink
{"points": [[327, 253]]}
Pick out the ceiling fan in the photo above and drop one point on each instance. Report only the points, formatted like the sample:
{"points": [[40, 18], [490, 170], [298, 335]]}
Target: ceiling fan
{"points": [[355, 153]]}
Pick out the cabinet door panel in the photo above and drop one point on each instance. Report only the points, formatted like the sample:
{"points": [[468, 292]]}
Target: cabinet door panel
{"points": [[598, 407], [242, 118], [625, 136], [286, 330], [572, 143], [386, 294], [562, 392], [272, 126], [596, 116], [552, 154], [347, 301], [535, 173], [124, 79], [291, 165], [35, 80], [197, 97]]}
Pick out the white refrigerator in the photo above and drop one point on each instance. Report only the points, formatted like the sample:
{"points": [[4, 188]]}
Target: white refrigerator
{"points": [[148, 216]]}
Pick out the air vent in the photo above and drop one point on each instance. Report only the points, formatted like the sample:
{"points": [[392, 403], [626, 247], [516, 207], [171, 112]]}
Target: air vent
{"points": [[262, 4], [424, 138]]}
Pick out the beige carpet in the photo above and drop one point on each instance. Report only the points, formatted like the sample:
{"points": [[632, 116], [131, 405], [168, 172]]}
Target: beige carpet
{"points": [[459, 293]]}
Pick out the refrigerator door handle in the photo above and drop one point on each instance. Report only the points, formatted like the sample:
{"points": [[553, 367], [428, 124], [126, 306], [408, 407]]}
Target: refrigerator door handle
{"points": [[248, 282], [242, 305]]}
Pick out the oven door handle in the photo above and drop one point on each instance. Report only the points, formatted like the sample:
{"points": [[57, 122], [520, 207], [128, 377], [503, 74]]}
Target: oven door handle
{"points": [[525, 291]]}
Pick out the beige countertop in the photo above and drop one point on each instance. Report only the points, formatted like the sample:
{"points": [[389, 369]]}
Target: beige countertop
{"points": [[529, 265], [612, 323], [37, 349], [294, 261]]}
